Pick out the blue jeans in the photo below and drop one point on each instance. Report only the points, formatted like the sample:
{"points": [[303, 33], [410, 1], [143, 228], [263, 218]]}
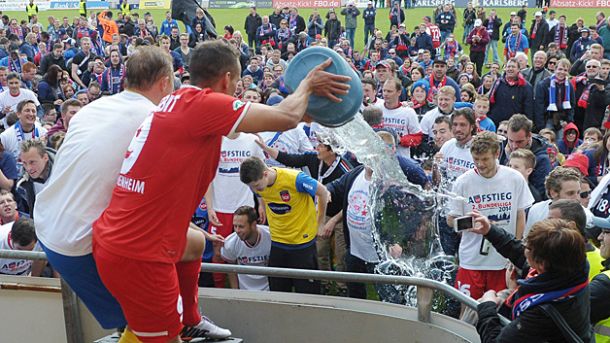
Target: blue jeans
{"points": [[350, 33], [467, 30], [493, 44]]}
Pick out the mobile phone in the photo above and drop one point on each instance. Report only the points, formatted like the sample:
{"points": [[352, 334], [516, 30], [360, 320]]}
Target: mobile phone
{"points": [[485, 247], [463, 223]]}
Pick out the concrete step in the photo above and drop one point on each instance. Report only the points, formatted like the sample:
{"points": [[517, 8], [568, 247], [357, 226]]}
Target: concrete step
{"points": [[115, 338]]}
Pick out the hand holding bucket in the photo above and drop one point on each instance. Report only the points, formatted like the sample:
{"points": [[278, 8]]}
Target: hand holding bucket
{"points": [[333, 101]]}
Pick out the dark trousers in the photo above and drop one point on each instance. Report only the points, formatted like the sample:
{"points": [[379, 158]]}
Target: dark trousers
{"points": [[478, 58], [355, 265], [305, 258], [252, 40]]}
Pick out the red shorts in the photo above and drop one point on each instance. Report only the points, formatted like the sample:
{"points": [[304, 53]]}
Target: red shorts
{"points": [[148, 293], [474, 283], [227, 225]]}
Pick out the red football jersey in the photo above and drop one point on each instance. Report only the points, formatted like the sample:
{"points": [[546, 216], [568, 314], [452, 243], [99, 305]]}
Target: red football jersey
{"points": [[168, 166]]}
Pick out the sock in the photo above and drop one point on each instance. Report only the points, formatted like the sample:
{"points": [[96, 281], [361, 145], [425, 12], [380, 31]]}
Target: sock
{"points": [[129, 337], [188, 277], [219, 278]]}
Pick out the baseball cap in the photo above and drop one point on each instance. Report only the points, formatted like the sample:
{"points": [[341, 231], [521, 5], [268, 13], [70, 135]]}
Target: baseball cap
{"points": [[402, 25], [512, 14], [478, 23], [421, 51], [69, 41], [583, 29], [383, 63], [369, 3], [538, 14], [603, 223]]}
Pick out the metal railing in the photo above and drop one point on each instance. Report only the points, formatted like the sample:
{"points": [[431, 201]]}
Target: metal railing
{"points": [[425, 287]]}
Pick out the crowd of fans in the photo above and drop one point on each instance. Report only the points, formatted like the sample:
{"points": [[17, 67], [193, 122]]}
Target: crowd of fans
{"points": [[521, 141]]}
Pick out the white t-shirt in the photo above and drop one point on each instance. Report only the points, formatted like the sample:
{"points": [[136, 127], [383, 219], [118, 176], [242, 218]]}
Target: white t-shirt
{"points": [[9, 266], [7, 100], [85, 171], [12, 137], [229, 192], [359, 221], [427, 122], [499, 198], [293, 141], [540, 211], [404, 121], [456, 160], [237, 251]]}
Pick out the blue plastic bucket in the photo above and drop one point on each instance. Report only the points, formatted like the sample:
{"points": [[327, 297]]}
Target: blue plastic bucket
{"points": [[321, 109]]}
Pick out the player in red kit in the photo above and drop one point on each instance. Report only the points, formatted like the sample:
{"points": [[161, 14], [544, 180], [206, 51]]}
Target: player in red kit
{"points": [[140, 239]]}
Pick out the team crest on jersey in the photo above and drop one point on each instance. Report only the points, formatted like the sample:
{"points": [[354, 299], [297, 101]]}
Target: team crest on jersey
{"points": [[237, 104], [285, 195]]}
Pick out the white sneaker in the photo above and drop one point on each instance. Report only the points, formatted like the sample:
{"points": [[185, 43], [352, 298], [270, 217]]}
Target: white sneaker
{"points": [[205, 329]]}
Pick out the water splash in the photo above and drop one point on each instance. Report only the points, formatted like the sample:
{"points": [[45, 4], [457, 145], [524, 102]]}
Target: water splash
{"points": [[402, 213]]}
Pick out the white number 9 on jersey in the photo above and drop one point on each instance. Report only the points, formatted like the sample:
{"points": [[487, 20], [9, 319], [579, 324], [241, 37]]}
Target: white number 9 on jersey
{"points": [[136, 145]]}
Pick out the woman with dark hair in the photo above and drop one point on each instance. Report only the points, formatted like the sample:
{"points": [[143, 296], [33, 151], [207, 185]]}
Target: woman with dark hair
{"points": [[48, 88], [198, 35], [599, 156], [114, 76], [551, 300], [228, 32]]}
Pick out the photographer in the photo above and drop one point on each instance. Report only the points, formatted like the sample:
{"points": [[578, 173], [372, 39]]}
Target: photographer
{"points": [[478, 39], [351, 14], [551, 303], [597, 101]]}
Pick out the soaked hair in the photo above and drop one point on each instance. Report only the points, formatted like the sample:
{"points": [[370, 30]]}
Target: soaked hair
{"points": [[485, 141], [247, 211], [559, 175], [251, 170]]}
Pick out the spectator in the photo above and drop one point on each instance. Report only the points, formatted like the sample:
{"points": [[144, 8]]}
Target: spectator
{"points": [[332, 29], [253, 22], [519, 136], [538, 34], [515, 42], [296, 23], [492, 24], [558, 34], [397, 15], [68, 109], [478, 39], [445, 100], [510, 94], [56, 57], [351, 13], [48, 88], [524, 161], [315, 26], [555, 100], [581, 45], [38, 164], [562, 183], [368, 15], [249, 245], [265, 34], [555, 251], [11, 97], [20, 235], [469, 16], [80, 62], [445, 21], [537, 72], [167, 24]]}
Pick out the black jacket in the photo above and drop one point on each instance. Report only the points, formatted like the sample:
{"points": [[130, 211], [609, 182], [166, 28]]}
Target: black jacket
{"points": [[495, 34], [543, 163], [25, 191], [541, 115], [510, 100], [252, 24], [533, 325], [332, 29], [541, 35], [49, 60], [596, 107]]}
